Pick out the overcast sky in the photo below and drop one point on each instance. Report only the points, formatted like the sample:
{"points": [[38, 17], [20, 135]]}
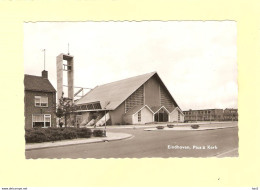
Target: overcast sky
{"points": [[196, 60]]}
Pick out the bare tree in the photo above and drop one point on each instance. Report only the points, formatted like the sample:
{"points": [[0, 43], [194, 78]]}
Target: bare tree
{"points": [[64, 109]]}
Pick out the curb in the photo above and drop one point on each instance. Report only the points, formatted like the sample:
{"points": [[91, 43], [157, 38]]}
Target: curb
{"points": [[189, 129], [102, 139], [154, 125]]}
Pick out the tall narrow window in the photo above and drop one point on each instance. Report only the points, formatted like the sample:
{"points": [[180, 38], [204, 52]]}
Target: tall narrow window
{"points": [[37, 101], [47, 120], [139, 116], [44, 101]]}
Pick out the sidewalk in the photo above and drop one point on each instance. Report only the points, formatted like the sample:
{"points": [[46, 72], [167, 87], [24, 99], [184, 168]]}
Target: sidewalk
{"points": [[188, 128], [109, 137], [162, 124]]}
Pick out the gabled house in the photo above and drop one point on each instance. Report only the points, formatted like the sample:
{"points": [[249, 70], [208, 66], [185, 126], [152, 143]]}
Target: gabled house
{"points": [[39, 101], [137, 100]]}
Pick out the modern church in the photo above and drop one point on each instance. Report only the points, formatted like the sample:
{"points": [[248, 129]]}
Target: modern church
{"points": [[137, 100]]}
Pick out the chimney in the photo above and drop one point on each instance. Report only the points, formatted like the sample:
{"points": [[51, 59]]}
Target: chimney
{"points": [[45, 74]]}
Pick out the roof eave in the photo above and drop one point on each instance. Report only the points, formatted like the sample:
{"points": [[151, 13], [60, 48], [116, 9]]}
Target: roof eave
{"points": [[37, 90]]}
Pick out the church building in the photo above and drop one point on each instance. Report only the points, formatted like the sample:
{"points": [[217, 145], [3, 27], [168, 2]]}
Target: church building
{"points": [[137, 100]]}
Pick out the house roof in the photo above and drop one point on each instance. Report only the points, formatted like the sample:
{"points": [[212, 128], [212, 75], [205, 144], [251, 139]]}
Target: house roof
{"points": [[111, 95], [37, 83]]}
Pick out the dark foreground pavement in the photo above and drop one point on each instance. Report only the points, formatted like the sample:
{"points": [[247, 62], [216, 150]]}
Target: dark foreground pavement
{"points": [[219, 142]]}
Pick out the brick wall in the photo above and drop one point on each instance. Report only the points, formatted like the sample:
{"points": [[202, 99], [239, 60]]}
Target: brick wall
{"points": [[30, 108]]}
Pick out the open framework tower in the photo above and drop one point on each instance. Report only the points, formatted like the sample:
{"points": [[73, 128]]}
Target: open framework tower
{"points": [[68, 67]]}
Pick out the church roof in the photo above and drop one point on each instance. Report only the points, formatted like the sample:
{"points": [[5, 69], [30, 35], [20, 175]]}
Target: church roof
{"points": [[111, 95]]}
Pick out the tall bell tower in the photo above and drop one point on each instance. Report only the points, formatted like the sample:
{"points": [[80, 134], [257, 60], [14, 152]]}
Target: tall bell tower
{"points": [[69, 68]]}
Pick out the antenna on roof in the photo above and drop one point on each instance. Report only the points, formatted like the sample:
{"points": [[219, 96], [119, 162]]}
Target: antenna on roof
{"points": [[68, 48], [44, 58]]}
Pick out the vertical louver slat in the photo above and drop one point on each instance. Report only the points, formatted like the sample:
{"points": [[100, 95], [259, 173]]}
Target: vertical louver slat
{"points": [[166, 100], [137, 98]]}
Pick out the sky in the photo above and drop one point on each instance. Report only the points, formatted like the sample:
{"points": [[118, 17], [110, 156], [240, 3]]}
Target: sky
{"points": [[196, 60]]}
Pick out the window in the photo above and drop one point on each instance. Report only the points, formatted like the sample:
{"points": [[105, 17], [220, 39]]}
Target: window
{"points": [[47, 120], [139, 116], [37, 101], [41, 101], [41, 120], [179, 117]]}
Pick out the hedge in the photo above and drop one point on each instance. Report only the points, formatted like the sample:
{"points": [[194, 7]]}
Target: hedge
{"points": [[98, 133], [36, 135]]}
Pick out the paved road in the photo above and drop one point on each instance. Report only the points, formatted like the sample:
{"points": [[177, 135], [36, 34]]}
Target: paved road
{"points": [[151, 144]]}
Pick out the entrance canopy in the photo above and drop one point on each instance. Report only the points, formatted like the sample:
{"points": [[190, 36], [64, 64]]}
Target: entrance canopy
{"points": [[161, 114]]}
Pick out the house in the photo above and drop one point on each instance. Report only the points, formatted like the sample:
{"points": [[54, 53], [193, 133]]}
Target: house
{"points": [[39, 101], [204, 115], [136, 100]]}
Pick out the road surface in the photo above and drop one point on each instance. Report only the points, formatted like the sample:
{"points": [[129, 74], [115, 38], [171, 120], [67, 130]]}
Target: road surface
{"points": [[208, 143]]}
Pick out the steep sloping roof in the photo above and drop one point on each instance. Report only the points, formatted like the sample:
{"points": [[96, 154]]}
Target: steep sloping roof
{"points": [[37, 83], [158, 108], [111, 95], [155, 108], [177, 108], [136, 109], [115, 93]]}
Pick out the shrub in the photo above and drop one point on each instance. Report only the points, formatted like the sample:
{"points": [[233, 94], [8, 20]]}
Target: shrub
{"points": [[84, 133], [160, 127], [170, 126], [98, 133], [37, 135], [195, 126], [54, 135], [69, 133]]}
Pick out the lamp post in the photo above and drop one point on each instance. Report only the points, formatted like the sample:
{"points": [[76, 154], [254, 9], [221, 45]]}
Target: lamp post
{"points": [[105, 107], [105, 132]]}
